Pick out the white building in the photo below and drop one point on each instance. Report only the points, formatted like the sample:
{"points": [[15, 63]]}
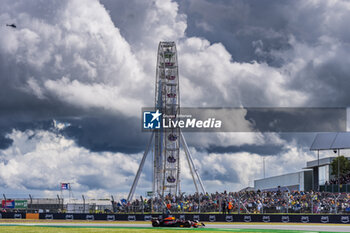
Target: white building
{"points": [[300, 181]]}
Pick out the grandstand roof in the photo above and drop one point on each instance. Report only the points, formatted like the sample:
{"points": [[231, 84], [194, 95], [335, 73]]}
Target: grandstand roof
{"points": [[247, 189], [331, 141], [319, 163]]}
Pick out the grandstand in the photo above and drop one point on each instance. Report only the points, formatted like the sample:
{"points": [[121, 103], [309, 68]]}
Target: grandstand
{"points": [[317, 174]]}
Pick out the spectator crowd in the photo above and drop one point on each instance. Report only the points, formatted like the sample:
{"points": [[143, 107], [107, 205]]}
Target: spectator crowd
{"points": [[344, 179], [244, 202]]}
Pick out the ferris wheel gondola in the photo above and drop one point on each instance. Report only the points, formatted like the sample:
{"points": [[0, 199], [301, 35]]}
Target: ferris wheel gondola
{"points": [[171, 159], [171, 95], [171, 179], [172, 137]]}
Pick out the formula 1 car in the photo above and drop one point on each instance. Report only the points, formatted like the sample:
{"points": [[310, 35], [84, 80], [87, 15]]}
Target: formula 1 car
{"points": [[173, 222]]}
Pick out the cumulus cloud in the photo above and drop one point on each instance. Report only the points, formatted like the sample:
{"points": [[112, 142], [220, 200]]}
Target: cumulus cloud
{"points": [[209, 77], [305, 42], [214, 80], [237, 170], [78, 57], [42, 159], [66, 59], [79, 60], [34, 153]]}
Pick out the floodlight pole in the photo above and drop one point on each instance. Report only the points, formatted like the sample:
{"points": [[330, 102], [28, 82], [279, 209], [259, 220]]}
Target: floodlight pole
{"points": [[264, 166], [338, 172], [318, 170], [83, 203], [4, 198], [31, 202]]}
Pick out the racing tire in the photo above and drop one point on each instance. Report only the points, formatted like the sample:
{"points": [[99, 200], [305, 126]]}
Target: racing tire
{"points": [[187, 224], [155, 223]]}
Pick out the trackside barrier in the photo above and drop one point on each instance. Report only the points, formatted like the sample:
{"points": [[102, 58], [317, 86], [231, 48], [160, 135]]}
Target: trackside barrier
{"points": [[69, 217], [212, 218], [110, 217], [48, 216], [17, 216], [90, 217], [32, 216], [247, 218], [229, 218], [196, 218], [345, 219], [285, 218]]}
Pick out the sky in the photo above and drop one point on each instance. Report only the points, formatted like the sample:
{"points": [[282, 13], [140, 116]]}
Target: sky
{"points": [[75, 74]]}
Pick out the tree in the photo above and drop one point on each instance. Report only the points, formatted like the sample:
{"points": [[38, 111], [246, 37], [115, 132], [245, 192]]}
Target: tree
{"points": [[344, 166]]}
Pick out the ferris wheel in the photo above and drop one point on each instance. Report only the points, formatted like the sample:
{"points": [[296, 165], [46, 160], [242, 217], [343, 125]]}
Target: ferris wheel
{"points": [[167, 100], [167, 141]]}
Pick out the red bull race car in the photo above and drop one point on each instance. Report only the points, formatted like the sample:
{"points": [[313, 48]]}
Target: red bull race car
{"points": [[173, 222]]}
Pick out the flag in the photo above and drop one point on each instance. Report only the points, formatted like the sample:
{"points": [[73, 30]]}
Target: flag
{"points": [[64, 186]]}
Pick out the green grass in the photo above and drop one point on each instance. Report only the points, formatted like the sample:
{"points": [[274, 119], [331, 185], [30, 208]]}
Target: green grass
{"points": [[81, 229]]}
